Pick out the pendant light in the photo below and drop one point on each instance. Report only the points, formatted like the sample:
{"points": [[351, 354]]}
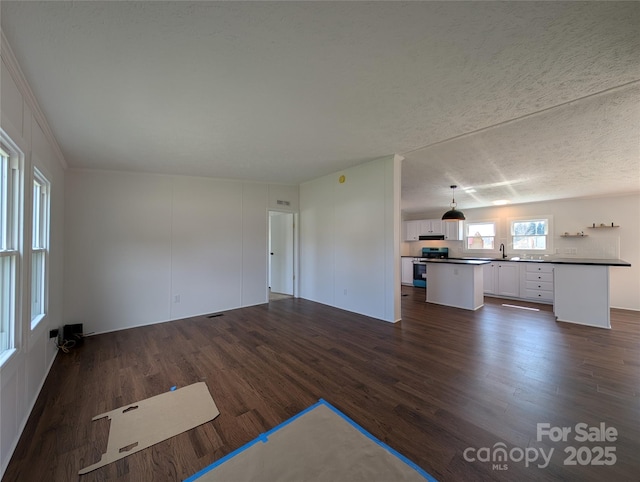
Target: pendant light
{"points": [[453, 214]]}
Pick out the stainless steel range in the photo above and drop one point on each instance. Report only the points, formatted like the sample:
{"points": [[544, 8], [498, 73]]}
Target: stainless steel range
{"points": [[420, 264]]}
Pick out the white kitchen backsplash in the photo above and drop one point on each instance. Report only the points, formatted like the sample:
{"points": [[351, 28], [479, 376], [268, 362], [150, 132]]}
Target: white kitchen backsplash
{"points": [[588, 247], [593, 246]]}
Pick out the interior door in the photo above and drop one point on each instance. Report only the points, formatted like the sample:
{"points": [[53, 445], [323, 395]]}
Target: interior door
{"points": [[281, 252]]}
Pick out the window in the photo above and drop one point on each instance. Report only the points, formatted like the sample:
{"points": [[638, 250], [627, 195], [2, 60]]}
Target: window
{"points": [[40, 246], [480, 235], [9, 242], [531, 234]]}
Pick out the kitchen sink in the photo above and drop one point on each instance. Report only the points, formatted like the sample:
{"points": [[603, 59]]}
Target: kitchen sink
{"points": [[515, 258], [483, 259]]}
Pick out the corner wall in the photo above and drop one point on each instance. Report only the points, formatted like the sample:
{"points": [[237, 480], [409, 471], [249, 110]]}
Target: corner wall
{"points": [[349, 239], [146, 248], [23, 374]]}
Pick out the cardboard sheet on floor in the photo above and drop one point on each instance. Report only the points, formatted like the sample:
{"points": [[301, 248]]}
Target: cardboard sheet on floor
{"points": [[142, 424], [319, 444]]}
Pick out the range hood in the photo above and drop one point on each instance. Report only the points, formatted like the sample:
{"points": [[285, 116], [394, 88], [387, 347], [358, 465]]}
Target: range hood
{"points": [[430, 237]]}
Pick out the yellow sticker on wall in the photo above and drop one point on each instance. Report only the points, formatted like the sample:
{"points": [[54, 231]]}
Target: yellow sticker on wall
{"points": [[342, 179]]}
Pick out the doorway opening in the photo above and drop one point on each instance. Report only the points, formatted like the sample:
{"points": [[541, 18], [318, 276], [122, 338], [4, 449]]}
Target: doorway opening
{"points": [[281, 255]]}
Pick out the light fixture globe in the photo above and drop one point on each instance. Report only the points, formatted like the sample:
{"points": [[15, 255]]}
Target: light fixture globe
{"points": [[453, 214]]}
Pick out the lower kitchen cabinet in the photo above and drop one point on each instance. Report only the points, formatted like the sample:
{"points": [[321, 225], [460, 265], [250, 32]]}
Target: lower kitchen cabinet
{"points": [[502, 278], [538, 282], [407, 271], [489, 277], [527, 281], [508, 279]]}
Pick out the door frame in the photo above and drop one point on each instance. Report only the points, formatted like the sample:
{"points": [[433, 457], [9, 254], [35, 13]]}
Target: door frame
{"points": [[295, 250]]}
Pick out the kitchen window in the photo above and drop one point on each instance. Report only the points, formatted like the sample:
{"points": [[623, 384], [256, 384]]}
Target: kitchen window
{"points": [[40, 247], [480, 236], [531, 234], [10, 196]]}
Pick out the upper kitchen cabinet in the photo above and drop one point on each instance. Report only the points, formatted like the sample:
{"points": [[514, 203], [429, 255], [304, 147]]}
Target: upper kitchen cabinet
{"points": [[430, 227], [453, 230], [411, 230], [422, 227]]}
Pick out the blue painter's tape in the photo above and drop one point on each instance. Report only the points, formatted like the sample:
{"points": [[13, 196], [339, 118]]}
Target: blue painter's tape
{"points": [[222, 460], [173, 388], [415, 467], [264, 439]]}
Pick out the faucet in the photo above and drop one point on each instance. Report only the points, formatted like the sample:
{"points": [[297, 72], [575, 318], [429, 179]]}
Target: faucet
{"points": [[503, 251]]}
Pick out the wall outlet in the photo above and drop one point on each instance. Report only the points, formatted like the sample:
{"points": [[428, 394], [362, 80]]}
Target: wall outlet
{"points": [[176, 299], [345, 292]]}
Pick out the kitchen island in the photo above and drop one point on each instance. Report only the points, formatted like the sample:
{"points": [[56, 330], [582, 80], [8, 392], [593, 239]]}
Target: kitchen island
{"points": [[456, 282], [580, 287]]}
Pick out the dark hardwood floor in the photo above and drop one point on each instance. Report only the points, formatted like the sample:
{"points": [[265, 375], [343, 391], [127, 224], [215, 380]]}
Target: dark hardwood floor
{"points": [[431, 386]]}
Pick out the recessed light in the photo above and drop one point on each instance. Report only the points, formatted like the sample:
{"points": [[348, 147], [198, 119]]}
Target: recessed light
{"points": [[501, 202]]}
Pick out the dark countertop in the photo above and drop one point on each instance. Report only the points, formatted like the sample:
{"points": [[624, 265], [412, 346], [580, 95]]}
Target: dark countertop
{"points": [[552, 260], [473, 262], [589, 261]]}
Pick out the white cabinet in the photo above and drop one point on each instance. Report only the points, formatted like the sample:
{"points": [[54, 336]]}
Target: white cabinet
{"points": [[508, 279], [453, 230], [411, 230], [528, 281], [489, 277], [407, 271], [431, 226], [502, 278], [537, 279]]}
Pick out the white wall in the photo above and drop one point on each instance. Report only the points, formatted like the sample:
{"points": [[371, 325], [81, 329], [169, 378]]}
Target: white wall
{"points": [[348, 239], [22, 376], [573, 215], [144, 248]]}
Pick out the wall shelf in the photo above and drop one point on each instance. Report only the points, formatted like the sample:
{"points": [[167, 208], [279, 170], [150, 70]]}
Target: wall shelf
{"points": [[602, 226], [574, 235]]}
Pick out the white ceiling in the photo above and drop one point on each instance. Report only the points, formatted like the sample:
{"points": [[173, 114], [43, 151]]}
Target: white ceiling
{"points": [[526, 101]]}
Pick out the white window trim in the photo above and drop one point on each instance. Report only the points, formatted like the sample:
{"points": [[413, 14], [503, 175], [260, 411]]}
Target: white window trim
{"points": [[496, 237], [548, 250], [14, 246], [40, 242]]}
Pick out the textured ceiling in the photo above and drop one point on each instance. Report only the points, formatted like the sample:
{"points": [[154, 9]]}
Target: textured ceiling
{"points": [[526, 101]]}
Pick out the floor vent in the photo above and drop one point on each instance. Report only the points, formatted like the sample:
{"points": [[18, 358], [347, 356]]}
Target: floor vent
{"points": [[215, 315]]}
